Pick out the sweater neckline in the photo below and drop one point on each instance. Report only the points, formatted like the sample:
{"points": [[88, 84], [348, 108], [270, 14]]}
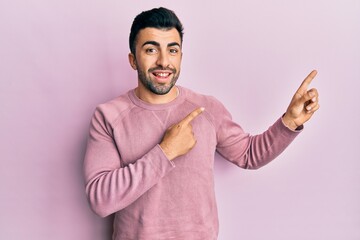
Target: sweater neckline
{"points": [[140, 103]]}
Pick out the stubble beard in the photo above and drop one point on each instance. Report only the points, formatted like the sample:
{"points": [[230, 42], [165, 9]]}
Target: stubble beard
{"points": [[159, 89]]}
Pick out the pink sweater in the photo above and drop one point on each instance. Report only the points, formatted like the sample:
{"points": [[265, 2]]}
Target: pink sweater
{"points": [[127, 173]]}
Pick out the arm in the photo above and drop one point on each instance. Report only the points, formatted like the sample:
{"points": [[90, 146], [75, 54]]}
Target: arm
{"points": [[255, 151], [110, 186], [252, 152]]}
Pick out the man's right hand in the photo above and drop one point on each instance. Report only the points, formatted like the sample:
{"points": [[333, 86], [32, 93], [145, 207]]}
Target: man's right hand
{"points": [[179, 139]]}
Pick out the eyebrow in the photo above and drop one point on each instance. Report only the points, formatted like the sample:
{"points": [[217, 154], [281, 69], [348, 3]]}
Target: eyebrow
{"points": [[158, 44], [174, 44]]}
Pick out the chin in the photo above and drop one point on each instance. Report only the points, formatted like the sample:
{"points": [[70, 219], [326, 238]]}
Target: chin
{"points": [[161, 90]]}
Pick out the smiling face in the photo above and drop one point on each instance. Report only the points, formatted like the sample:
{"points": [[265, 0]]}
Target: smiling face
{"points": [[157, 61]]}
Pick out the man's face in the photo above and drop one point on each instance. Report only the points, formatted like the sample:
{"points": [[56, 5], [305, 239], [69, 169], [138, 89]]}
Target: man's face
{"points": [[158, 59]]}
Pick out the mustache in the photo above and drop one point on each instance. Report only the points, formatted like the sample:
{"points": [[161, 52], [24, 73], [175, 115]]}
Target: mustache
{"points": [[173, 70]]}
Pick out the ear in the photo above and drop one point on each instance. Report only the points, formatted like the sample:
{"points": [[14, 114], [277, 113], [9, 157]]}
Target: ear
{"points": [[132, 61]]}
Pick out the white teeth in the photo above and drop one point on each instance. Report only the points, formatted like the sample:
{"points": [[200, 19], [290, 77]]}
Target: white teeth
{"points": [[162, 74]]}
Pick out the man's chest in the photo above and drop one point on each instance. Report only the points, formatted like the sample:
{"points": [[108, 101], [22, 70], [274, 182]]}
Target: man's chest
{"points": [[138, 133]]}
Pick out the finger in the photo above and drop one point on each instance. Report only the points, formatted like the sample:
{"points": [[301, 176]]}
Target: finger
{"points": [[311, 95], [192, 115], [304, 85], [314, 94], [312, 106], [314, 109]]}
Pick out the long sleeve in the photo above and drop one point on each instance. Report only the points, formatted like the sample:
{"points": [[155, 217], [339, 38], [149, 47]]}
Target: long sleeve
{"points": [[252, 152], [111, 185], [127, 173]]}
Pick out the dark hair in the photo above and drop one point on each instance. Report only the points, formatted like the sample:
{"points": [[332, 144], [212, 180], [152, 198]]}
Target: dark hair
{"points": [[160, 18]]}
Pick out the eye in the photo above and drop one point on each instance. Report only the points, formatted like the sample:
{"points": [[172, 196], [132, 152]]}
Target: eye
{"points": [[174, 51], [151, 50]]}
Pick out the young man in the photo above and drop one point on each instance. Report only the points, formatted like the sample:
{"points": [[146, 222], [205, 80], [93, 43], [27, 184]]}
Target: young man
{"points": [[150, 153]]}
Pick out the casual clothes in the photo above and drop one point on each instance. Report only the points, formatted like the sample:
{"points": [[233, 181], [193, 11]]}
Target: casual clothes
{"points": [[128, 174]]}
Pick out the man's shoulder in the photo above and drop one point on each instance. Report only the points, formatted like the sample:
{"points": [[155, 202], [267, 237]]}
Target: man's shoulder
{"points": [[209, 102], [112, 109]]}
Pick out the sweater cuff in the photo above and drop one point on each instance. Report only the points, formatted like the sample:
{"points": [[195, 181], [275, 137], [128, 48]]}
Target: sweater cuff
{"points": [[160, 162], [285, 131]]}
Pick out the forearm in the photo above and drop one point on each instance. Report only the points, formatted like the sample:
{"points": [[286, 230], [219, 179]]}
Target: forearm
{"points": [[111, 190], [252, 152], [267, 146]]}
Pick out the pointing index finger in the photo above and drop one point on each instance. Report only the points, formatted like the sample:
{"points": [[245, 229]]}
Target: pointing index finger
{"points": [[304, 85], [192, 115]]}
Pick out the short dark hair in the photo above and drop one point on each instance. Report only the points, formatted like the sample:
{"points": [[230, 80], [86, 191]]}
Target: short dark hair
{"points": [[160, 18]]}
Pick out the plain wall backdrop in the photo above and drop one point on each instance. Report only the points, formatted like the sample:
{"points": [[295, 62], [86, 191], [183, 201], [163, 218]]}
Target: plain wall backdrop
{"points": [[61, 58]]}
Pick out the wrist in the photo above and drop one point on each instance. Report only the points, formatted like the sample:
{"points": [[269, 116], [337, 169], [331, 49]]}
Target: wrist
{"points": [[289, 123], [169, 154]]}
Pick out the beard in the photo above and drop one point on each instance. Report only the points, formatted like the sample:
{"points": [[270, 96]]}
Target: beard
{"points": [[156, 88]]}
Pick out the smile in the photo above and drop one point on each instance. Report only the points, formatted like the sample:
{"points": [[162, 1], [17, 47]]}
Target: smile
{"points": [[162, 74]]}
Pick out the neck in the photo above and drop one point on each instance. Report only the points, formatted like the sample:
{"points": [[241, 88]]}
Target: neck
{"points": [[150, 97]]}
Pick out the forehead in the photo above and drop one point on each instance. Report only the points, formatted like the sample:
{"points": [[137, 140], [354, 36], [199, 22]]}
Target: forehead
{"points": [[162, 36]]}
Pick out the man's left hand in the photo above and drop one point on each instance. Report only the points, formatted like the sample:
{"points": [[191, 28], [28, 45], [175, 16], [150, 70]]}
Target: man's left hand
{"points": [[303, 104]]}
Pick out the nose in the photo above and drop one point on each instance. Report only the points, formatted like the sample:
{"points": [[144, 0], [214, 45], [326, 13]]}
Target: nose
{"points": [[163, 60]]}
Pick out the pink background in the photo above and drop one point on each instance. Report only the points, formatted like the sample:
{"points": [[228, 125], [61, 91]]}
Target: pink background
{"points": [[60, 58]]}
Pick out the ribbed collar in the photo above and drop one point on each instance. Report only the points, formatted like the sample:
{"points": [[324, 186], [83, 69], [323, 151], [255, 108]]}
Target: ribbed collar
{"points": [[140, 103]]}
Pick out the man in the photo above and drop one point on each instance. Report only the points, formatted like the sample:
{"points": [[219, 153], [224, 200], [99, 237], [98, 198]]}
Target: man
{"points": [[150, 153]]}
